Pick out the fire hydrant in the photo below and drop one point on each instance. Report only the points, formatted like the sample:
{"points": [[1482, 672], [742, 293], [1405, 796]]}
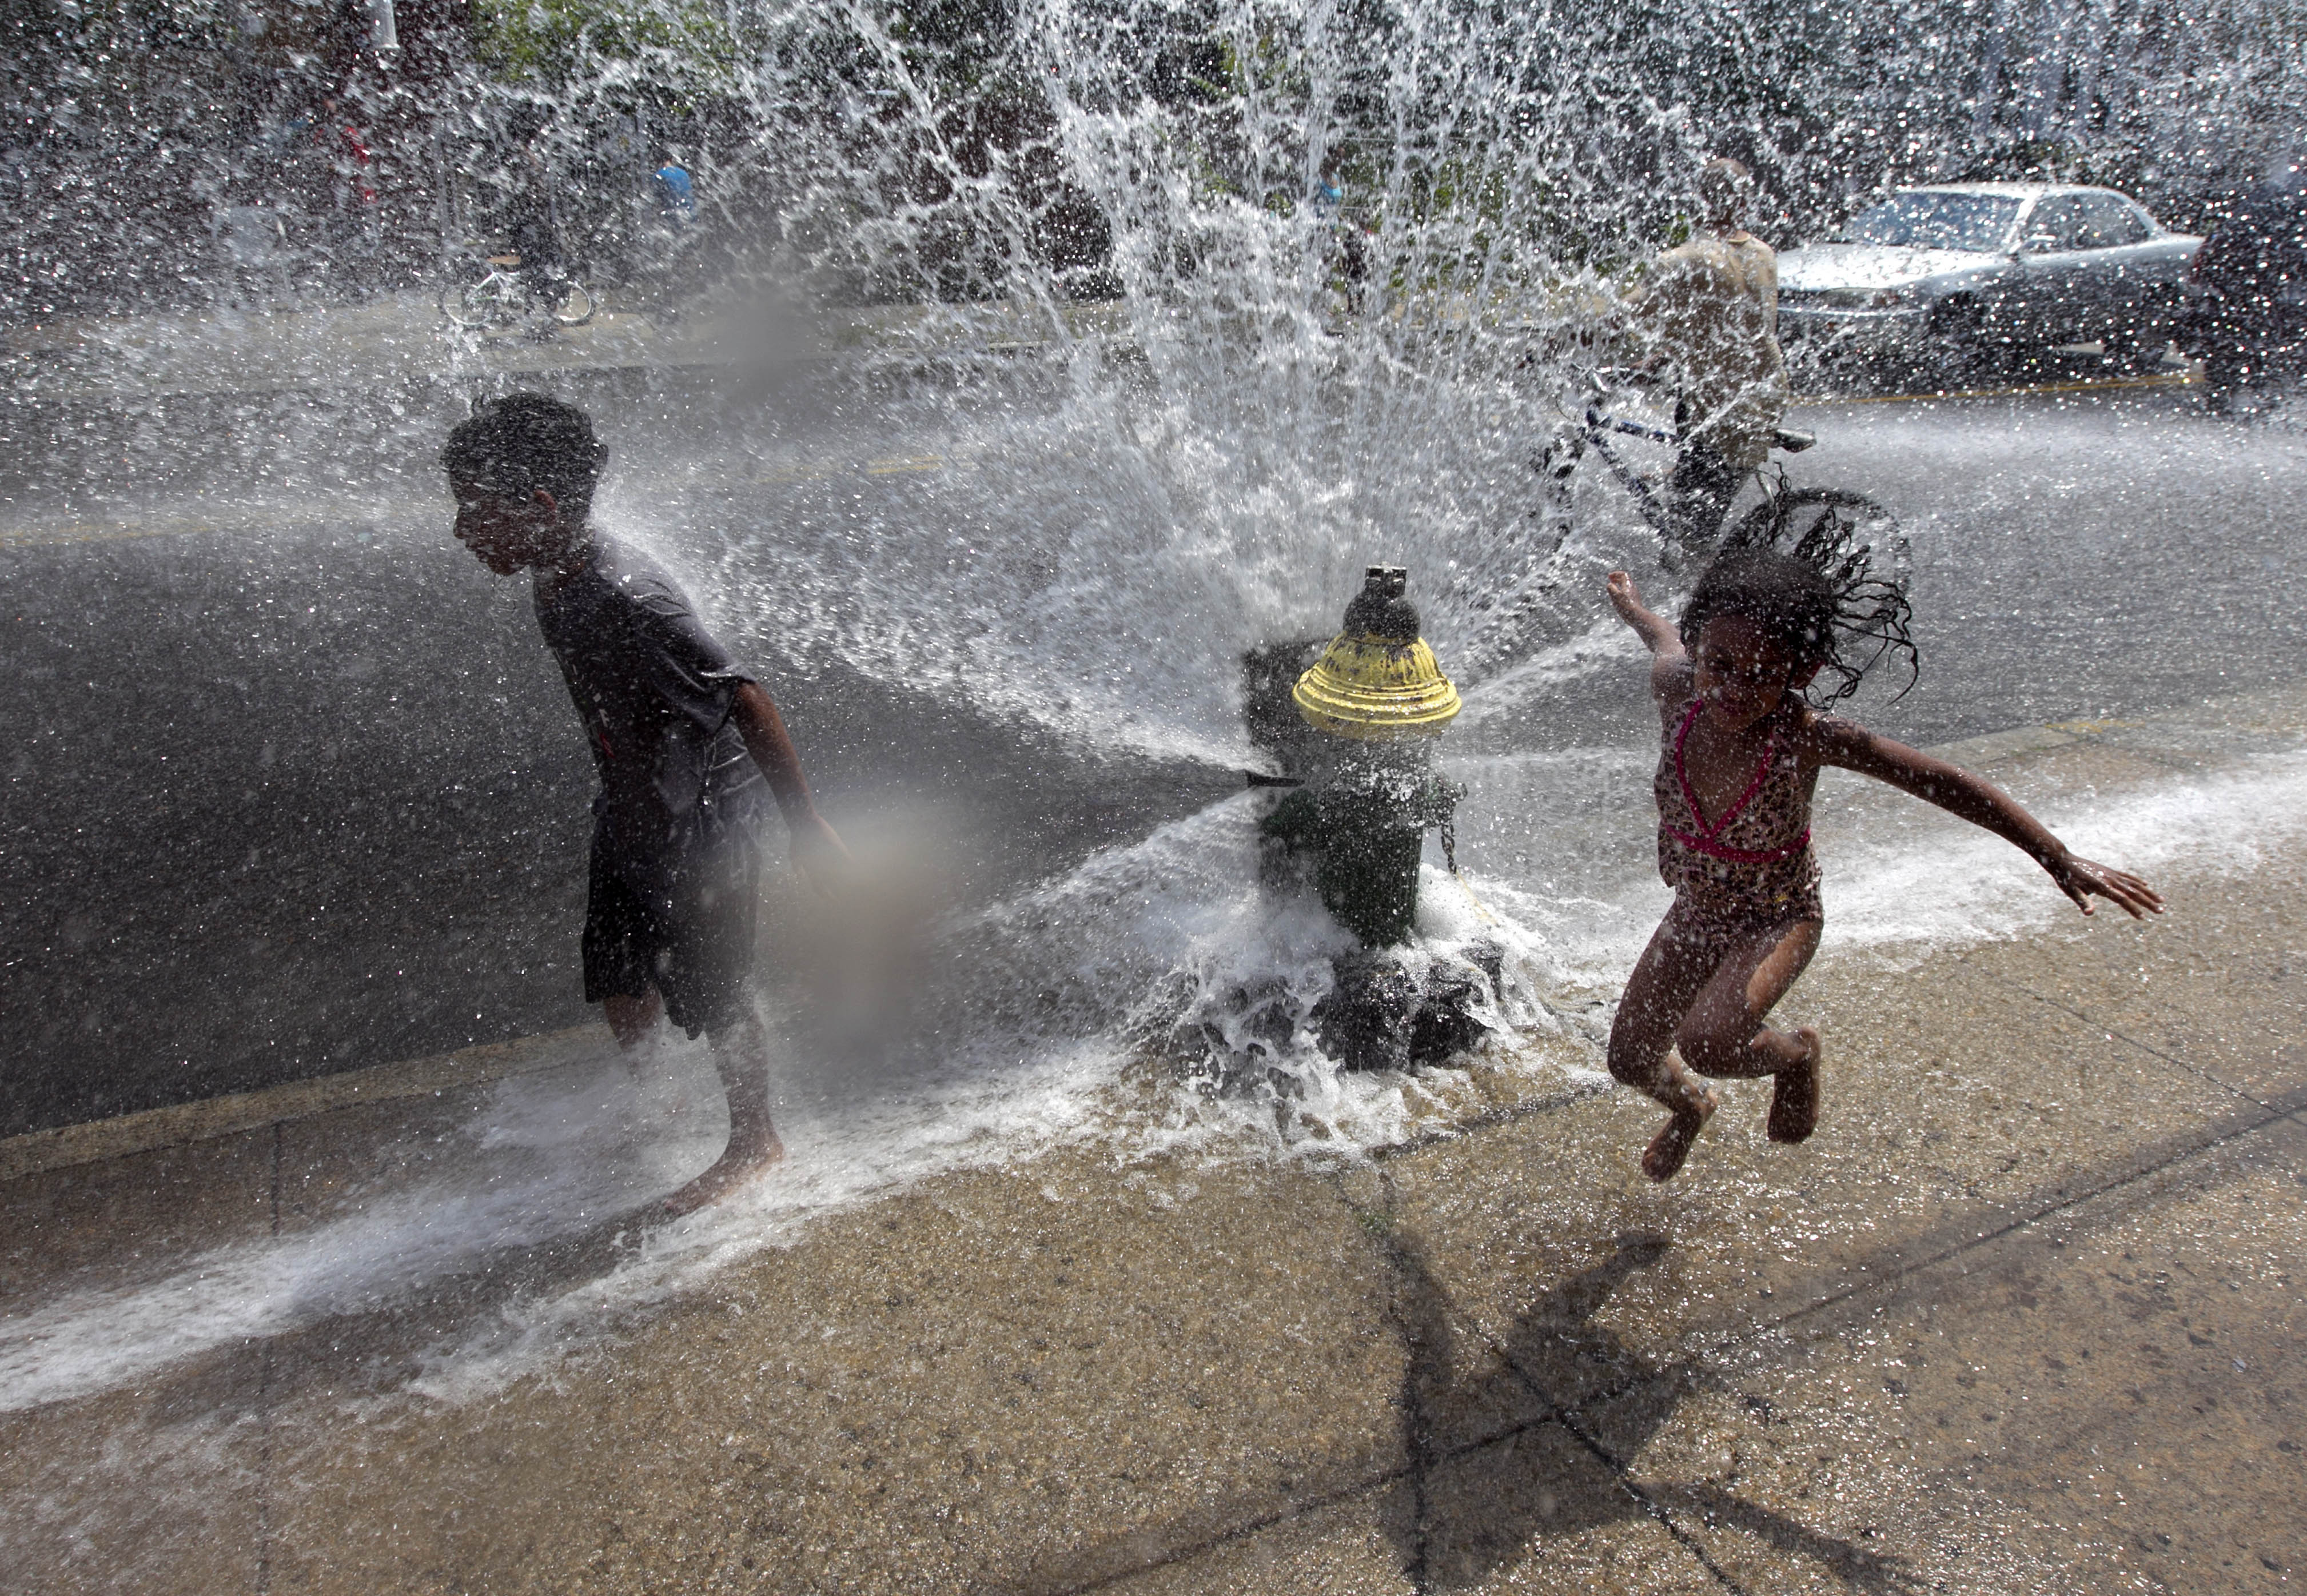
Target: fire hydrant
{"points": [[1370, 793]]}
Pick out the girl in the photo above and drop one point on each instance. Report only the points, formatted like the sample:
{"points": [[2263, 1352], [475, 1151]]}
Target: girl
{"points": [[1740, 754]]}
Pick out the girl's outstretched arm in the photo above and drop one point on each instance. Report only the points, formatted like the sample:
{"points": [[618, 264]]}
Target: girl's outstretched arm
{"points": [[1669, 663], [1980, 802]]}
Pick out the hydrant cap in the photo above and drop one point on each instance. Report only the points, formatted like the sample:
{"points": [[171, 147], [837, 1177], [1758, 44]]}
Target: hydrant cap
{"points": [[1377, 680]]}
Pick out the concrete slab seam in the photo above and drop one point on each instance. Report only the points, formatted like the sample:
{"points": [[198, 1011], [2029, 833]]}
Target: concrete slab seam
{"points": [[1358, 1490], [1569, 1415], [152, 1130], [1353, 1492], [1408, 1274], [1424, 1461], [2155, 1052], [1612, 1393], [1490, 1120]]}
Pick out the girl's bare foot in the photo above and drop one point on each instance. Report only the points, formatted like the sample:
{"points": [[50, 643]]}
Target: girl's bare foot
{"points": [[1794, 1101], [744, 1162], [1662, 1159]]}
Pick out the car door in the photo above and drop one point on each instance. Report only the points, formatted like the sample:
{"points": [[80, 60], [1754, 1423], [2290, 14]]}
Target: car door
{"points": [[2052, 289], [2133, 274]]}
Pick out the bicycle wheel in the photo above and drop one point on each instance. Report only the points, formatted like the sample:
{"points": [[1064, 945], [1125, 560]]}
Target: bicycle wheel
{"points": [[572, 303], [474, 305]]}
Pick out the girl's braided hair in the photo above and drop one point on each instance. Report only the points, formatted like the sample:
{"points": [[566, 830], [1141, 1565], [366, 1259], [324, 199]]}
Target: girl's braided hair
{"points": [[1819, 597]]}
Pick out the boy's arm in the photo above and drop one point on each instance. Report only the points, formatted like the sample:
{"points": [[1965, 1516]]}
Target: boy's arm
{"points": [[1668, 659], [815, 842], [1974, 798]]}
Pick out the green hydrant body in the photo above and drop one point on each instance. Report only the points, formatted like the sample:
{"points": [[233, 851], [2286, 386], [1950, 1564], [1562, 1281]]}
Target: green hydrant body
{"points": [[1367, 840]]}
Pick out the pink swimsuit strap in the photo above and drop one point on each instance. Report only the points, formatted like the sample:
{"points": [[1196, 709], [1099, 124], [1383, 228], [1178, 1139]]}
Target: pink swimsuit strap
{"points": [[1707, 841]]}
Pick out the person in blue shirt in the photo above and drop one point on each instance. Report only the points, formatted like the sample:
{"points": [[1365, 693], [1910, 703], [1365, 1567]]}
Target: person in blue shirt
{"points": [[677, 196]]}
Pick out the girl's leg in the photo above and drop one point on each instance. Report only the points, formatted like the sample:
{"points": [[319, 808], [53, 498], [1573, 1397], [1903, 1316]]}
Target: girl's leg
{"points": [[1668, 980], [1723, 1033]]}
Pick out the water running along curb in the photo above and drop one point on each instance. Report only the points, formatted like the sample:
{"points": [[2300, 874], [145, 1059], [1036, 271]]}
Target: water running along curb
{"points": [[153, 1129]]}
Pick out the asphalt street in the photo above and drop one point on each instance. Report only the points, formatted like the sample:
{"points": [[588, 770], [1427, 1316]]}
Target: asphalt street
{"points": [[309, 797]]}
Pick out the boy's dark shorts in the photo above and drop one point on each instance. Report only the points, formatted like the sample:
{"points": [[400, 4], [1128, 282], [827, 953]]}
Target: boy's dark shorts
{"points": [[695, 946]]}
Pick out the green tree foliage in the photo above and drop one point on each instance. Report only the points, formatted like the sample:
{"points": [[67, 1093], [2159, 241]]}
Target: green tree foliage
{"points": [[668, 51]]}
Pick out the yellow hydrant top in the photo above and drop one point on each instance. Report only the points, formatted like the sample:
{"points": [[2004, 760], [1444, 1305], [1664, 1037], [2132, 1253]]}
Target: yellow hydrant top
{"points": [[1377, 681]]}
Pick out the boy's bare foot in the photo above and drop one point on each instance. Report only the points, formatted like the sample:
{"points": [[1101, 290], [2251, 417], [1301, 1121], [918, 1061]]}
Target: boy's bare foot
{"points": [[1794, 1101], [741, 1163], [1662, 1159]]}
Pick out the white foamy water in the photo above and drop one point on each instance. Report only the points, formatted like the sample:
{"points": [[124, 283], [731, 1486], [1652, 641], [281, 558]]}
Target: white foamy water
{"points": [[1134, 942]]}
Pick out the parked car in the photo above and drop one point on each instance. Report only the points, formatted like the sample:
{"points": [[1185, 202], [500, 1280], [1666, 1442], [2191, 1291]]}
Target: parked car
{"points": [[2246, 310], [1971, 274]]}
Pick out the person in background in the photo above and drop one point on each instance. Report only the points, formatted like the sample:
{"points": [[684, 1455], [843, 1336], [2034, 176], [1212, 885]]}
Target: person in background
{"points": [[531, 219], [2247, 309], [676, 194], [352, 184], [1708, 313], [1342, 236]]}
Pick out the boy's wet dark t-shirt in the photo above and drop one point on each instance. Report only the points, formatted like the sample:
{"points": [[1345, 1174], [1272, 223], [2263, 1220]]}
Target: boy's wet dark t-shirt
{"points": [[655, 690]]}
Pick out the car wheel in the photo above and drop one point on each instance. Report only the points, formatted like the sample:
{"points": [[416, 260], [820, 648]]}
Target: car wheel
{"points": [[2137, 344], [1963, 349]]}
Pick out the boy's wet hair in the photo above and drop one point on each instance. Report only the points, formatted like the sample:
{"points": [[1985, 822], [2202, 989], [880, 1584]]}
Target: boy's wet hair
{"points": [[1819, 599], [523, 442]]}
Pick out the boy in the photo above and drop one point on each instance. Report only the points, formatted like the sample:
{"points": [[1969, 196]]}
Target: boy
{"points": [[684, 741]]}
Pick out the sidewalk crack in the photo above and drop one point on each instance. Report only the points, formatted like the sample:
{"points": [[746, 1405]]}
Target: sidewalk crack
{"points": [[2114, 1035]]}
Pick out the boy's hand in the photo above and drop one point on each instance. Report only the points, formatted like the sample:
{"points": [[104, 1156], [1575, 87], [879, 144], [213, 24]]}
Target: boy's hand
{"points": [[2079, 878], [819, 853], [1623, 597]]}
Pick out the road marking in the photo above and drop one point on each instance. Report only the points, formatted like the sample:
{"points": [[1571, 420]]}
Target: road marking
{"points": [[69, 532], [2173, 380], [73, 532]]}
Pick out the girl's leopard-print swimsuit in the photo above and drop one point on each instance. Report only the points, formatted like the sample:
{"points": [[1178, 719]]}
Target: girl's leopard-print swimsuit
{"points": [[1753, 867]]}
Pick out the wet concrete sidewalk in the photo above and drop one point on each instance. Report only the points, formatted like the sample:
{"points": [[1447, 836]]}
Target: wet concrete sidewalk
{"points": [[2024, 1316]]}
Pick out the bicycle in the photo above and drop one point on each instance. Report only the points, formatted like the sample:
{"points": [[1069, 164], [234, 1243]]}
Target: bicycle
{"points": [[1786, 516], [504, 296]]}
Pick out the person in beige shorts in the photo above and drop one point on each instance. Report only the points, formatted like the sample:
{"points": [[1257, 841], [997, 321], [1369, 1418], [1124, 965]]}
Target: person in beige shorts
{"points": [[1708, 311]]}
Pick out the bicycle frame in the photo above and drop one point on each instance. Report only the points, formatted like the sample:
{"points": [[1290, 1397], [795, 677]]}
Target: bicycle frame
{"points": [[1561, 458], [1600, 425], [503, 296]]}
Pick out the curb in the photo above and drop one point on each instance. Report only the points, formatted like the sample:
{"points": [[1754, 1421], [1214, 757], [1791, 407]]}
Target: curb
{"points": [[180, 1124]]}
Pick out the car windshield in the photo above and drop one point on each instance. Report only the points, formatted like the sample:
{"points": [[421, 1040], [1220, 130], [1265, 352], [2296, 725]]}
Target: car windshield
{"points": [[1929, 220]]}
